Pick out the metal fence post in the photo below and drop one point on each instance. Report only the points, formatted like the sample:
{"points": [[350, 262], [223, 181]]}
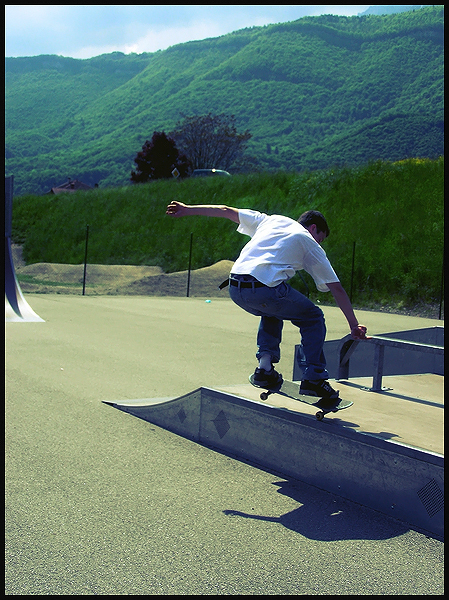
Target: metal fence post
{"points": [[190, 264], [85, 260]]}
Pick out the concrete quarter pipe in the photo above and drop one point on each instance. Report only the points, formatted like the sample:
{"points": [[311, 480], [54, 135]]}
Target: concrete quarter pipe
{"points": [[17, 308]]}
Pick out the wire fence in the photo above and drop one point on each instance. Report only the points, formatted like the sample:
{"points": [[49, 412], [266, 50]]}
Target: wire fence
{"points": [[94, 279]]}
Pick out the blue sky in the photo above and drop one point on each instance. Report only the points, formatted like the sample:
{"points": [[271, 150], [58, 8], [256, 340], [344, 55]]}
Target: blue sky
{"points": [[83, 31]]}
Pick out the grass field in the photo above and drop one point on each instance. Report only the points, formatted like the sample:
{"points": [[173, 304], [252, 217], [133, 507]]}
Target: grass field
{"points": [[386, 222]]}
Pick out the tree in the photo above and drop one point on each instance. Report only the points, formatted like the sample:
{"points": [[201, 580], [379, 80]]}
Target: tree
{"points": [[158, 158], [211, 141]]}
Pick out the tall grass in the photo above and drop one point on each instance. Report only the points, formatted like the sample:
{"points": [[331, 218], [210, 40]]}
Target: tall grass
{"points": [[392, 211]]}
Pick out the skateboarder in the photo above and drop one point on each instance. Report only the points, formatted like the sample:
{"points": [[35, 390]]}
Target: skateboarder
{"points": [[280, 246]]}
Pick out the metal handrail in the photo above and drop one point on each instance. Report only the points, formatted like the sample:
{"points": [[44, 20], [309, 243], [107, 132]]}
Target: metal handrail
{"points": [[348, 346]]}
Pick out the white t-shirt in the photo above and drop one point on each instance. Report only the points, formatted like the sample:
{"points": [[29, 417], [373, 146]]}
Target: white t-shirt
{"points": [[279, 247]]}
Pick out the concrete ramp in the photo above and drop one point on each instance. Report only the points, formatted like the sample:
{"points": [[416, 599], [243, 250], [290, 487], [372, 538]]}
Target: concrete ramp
{"points": [[17, 308], [400, 481]]}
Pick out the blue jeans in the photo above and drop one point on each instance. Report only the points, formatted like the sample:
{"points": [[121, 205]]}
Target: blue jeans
{"points": [[276, 305]]}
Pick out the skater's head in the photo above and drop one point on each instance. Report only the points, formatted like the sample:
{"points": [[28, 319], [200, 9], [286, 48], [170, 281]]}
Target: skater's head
{"points": [[314, 217]]}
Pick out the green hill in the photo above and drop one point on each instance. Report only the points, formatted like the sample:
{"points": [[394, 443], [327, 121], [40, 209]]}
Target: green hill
{"points": [[392, 212], [316, 92]]}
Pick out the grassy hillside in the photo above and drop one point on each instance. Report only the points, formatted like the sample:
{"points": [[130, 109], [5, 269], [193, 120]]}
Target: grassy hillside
{"points": [[392, 211], [314, 93]]}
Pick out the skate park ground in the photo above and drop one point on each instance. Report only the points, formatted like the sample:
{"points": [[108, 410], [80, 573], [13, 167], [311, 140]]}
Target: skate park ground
{"points": [[101, 502]]}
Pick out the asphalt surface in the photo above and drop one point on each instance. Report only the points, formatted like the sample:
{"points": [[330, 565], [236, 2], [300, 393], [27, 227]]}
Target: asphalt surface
{"points": [[100, 502]]}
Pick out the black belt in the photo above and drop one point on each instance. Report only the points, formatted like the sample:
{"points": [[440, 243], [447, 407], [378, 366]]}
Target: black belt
{"points": [[246, 284], [242, 284]]}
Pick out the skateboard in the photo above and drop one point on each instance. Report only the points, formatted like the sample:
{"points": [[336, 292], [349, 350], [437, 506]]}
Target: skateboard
{"points": [[291, 390]]}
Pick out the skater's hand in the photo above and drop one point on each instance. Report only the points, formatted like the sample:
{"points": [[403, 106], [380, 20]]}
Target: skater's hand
{"points": [[176, 209], [359, 333]]}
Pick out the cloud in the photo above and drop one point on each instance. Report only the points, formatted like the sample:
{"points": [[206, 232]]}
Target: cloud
{"points": [[337, 9], [82, 31], [155, 39]]}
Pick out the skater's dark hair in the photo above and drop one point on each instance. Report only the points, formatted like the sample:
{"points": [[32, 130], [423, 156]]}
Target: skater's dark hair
{"points": [[314, 217]]}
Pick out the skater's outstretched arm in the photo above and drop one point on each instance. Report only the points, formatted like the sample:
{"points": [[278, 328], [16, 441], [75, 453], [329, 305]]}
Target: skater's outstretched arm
{"points": [[179, 209], [358, 331]]}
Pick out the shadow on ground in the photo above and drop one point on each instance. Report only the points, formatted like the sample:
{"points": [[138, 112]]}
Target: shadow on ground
{"points": [[325, 517]]}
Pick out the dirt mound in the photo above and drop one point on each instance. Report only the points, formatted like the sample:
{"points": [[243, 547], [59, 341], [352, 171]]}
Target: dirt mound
{"points": [[95, 274], [203, 282], [120, 279]]}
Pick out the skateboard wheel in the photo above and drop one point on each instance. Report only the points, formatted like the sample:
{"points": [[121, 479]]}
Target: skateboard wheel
{"points": [[319, 415], [264, 395]]}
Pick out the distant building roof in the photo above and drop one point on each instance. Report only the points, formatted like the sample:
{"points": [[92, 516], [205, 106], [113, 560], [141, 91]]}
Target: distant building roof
{"points": [[71, 185]]}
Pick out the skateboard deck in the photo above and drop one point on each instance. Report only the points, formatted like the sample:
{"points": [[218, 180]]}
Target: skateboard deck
{"points": [[291, 390]]}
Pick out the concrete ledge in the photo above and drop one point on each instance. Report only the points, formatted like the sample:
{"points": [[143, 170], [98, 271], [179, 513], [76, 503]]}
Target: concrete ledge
{"points": [[401, 481]]}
